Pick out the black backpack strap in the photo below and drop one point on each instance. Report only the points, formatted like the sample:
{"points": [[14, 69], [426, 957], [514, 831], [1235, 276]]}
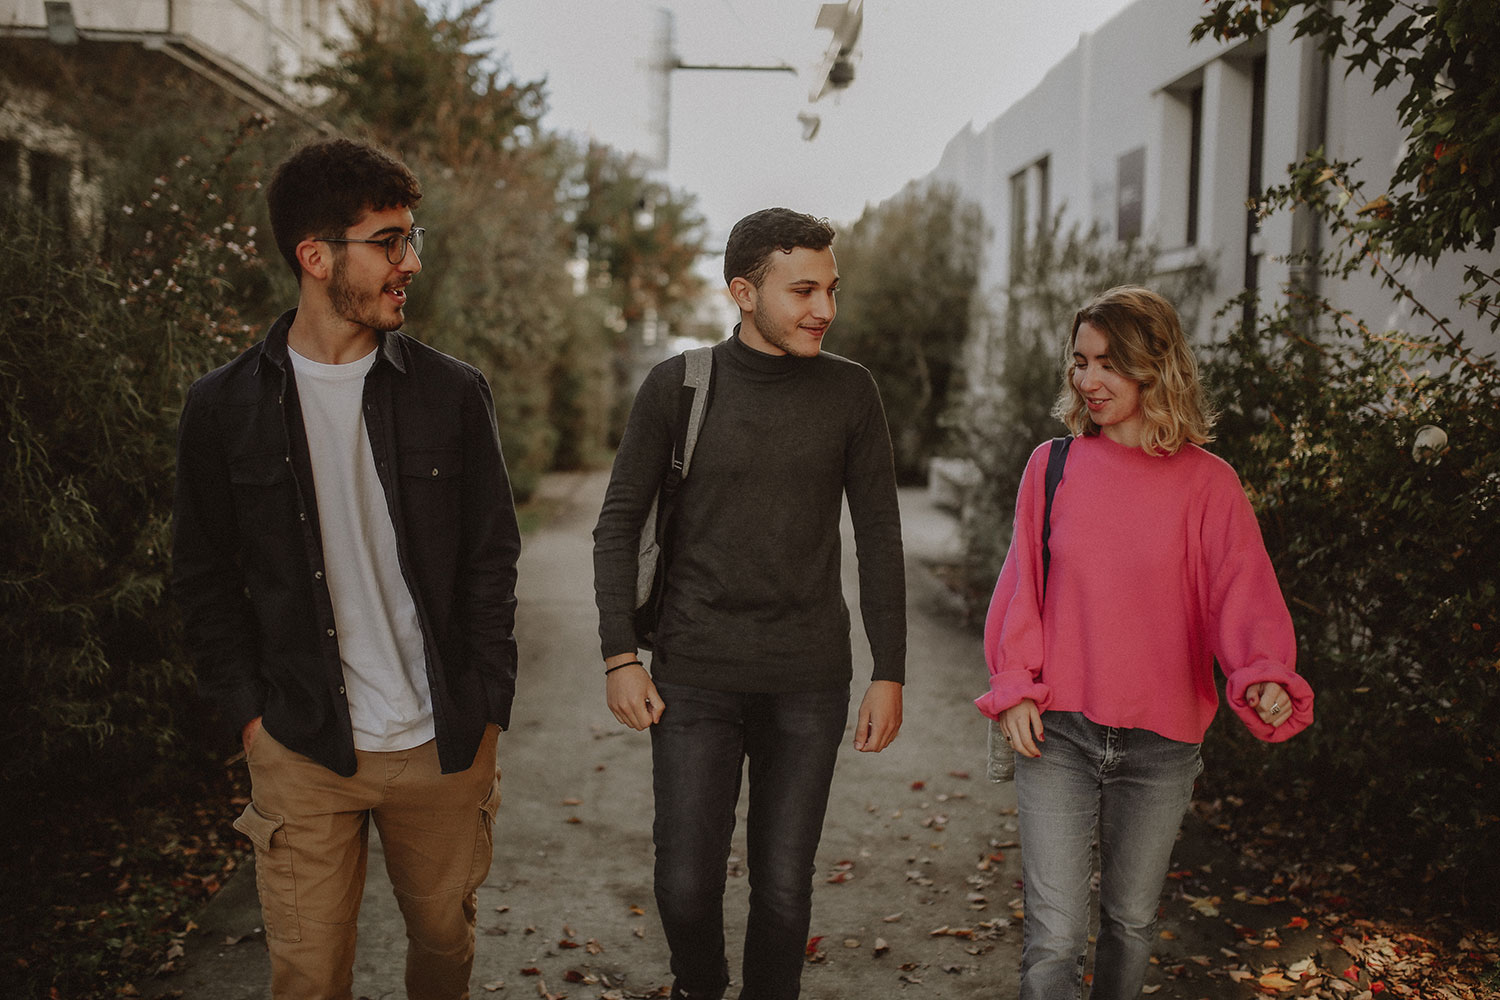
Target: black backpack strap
{"points": [[1056, 458]]}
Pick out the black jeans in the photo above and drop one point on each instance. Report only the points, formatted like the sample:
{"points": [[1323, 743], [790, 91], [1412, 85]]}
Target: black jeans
{"points": [[698, 752]]}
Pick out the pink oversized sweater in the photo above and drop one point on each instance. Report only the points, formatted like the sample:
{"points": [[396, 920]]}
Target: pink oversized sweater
{"points": [[1158, 569]]}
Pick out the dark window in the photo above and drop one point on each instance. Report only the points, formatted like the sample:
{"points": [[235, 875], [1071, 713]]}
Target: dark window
{"points": [[1018, 220], [1257, 149], [1195, 163], [1130, 194], [51, 183], [10, 169]]}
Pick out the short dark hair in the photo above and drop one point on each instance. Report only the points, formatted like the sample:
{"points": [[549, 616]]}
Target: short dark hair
{"points": [[327, 185], [760, 234]]}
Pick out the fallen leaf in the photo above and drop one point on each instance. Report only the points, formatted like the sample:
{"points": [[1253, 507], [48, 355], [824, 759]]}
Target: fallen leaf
{"points": [[881, 947], [1205, 905], [1276, 981]]}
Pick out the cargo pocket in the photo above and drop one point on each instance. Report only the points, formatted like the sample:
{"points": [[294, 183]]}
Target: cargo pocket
{"points": [[274, 878], [484, 840]]}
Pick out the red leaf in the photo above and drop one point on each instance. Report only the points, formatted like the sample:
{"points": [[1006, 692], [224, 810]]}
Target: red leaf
{"points": [[812, 945]]}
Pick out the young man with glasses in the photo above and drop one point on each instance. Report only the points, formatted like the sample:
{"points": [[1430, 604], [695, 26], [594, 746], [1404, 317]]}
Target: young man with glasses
{"points": [[345, 554]]}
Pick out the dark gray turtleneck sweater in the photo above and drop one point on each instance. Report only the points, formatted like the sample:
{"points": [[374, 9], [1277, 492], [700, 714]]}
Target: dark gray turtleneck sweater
{"points": [[754, 599]]}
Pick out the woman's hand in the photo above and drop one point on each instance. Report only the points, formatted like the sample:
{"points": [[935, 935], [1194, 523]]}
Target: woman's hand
{"points": [[1022, 726], [1270, 701]]}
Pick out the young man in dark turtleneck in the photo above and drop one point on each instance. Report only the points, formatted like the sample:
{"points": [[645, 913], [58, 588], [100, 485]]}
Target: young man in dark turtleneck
{"points": [[752, 657]]}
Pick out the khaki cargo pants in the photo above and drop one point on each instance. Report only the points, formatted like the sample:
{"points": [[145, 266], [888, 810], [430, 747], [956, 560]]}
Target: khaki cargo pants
{"points": [[310, 828]]}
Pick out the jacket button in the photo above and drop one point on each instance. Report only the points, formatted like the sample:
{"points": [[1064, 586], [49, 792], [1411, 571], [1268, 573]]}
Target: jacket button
{"points": [[341, 689], [318, 575], [330, 632], [434, 472], [302, 516]]}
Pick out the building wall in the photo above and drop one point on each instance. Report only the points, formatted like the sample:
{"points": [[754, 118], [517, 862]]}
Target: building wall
{"points": [[261, 44], [1107, 137], [243, 53]]}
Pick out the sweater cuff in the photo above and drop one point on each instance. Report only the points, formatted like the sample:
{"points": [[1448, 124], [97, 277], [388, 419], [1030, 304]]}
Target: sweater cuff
{"points": [[1297, 689], [616, 635], [1011, 687]]}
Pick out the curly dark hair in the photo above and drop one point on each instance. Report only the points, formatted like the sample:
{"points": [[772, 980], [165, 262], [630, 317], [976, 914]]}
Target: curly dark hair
{"points": [[327, 185], [760, 234]]}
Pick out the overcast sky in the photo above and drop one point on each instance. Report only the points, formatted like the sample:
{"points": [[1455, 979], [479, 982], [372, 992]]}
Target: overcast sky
{"points": [[927, 68]]}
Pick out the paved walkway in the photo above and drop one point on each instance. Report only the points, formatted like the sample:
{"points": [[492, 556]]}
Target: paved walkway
{"points": [[917, 872]]}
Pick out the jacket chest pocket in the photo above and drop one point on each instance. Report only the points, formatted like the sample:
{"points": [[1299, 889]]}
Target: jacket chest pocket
{"points": [[432, 480], [264, 490]]}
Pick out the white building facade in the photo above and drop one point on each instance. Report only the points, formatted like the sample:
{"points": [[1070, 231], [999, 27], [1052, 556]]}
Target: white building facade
{"points": [[1145, 134], [255, 51]]}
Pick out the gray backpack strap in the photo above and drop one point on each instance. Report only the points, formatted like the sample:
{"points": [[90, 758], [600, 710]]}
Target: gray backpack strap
{"points": [[699, 373]]}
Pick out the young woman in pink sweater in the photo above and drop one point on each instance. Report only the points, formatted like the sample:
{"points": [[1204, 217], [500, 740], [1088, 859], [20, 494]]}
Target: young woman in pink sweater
{"points": [[1101, 677]]}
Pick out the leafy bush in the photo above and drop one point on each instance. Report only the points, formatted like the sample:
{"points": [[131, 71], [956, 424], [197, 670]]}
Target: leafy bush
{"points": [[909, 282], [1373, 459], [94, 355]]}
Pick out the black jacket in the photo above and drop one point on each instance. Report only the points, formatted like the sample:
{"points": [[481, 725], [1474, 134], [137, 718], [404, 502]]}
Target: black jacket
{"points": [[247, 550]]}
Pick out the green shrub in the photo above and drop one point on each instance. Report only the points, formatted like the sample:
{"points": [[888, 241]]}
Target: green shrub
{"points": [[1389, 555], [909, 272], [94, 355]]}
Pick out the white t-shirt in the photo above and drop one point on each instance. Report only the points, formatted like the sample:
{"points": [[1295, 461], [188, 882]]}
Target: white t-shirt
{"points": [[380, 638]]}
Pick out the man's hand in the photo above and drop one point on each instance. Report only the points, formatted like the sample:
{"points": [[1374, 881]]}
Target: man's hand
{"points": [[630, 694], [879, 717]]}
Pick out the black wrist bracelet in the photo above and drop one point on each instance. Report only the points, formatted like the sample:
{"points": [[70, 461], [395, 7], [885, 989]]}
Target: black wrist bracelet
{"points": [[627, 663]]}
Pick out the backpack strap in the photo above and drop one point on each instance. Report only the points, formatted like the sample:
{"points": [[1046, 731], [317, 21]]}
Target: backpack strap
{"points": [[692, 404], [699, 378], [1056, 458]]}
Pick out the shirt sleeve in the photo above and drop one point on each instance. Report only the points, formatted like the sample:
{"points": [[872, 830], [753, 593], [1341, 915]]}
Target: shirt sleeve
{"points": [[1249, 625], [492, 545], [1013, 643], [208, 584], [640, 465], [874, 510]]}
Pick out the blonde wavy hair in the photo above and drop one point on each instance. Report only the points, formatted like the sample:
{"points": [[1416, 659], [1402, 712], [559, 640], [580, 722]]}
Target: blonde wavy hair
{"points": [[1147, 346]]}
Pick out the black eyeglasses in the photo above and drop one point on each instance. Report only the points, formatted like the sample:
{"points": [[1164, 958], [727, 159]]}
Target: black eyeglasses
{"points": [[395, 244]]}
